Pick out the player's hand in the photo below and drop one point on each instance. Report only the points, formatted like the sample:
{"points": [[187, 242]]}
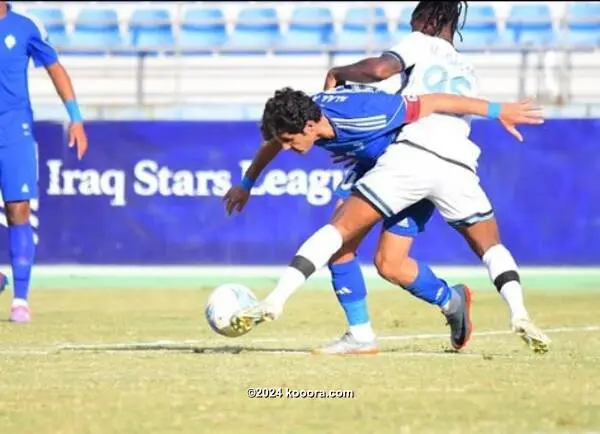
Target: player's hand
{"points": [[348, 160], [524, 112], [330, 82], [235, 199], [78, 138]]}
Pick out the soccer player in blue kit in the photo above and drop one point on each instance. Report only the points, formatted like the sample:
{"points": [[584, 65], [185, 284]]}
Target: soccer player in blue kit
{"points": [[23, 38], [362, 122]]}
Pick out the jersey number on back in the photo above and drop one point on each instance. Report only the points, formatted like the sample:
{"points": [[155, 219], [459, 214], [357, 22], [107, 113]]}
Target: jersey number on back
{"points": [[437, 79]]}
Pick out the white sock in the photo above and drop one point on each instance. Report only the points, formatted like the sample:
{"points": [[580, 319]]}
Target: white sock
{"points": [[318, 250], [19, 302], [363, 332], [498, 260]]}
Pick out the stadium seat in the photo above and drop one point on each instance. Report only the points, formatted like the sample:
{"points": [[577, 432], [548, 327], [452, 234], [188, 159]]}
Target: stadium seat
{"points": [[530, 24], [403, 27], [202, 31], [364, 29], [54, 22], [582, 23], [480, 28], [310, 30], [151, 31], [256, 32], [96, 32]]}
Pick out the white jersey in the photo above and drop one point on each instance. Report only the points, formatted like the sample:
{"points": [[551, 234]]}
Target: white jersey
{"points": [[438, 68]]}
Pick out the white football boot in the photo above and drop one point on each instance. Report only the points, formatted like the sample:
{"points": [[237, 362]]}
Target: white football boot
{"points": [[531, 334], [246, 319]]}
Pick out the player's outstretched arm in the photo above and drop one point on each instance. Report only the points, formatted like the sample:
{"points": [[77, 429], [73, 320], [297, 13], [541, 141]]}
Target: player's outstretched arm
{"points": [[238, 195], [62, 83], [509, 114]]}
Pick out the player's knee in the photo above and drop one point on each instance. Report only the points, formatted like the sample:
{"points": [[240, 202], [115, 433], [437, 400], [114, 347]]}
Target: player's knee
{"points": [[17, 213], [391, 267], [481, 236], [342, 256]]}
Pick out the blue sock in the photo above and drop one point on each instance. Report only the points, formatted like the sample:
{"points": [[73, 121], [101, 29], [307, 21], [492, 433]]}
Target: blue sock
{"points": [[428, 287], [22, 250], [351, 291]]}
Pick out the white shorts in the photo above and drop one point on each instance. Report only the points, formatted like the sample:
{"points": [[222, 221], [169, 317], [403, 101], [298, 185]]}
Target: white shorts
{"points": [[404, 175]]}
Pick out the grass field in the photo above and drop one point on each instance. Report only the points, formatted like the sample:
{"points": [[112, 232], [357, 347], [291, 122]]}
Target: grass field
{"points": [[196, 382]]}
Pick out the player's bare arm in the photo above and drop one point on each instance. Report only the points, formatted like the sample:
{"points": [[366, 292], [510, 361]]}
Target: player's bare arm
{"points": [[369, 70], [62, 83], [238, 195], [509, 114]]}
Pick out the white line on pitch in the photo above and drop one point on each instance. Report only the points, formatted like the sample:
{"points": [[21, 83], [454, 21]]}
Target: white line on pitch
{"points": [[193, 344], [238, 341]]}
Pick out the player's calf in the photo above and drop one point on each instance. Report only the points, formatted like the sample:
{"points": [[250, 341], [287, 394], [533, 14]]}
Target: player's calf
{"points": [[21, 251], [351, 292], [484, 239], [418, 279]]}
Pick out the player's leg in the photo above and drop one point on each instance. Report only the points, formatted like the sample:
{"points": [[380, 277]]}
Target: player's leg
{"points": [[349, 286], [19, 186], [353, 219], [351, 291], [384, 190], [484, 238], [396, 266], [464, 205]]}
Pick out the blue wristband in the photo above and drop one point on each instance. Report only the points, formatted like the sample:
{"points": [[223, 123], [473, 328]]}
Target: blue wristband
{"points": [[494, 109], [73, 110], [247, 183]]}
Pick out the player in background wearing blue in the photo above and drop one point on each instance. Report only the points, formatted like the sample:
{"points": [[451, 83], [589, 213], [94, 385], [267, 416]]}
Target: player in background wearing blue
{"points": [[361, 121], [23, 38]]}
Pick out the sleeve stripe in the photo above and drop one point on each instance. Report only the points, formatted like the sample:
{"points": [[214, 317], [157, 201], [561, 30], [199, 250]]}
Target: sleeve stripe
{"points": [[395, 56]]}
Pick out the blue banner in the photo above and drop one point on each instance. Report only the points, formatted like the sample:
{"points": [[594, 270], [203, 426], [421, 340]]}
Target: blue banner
{"points": [[151, 193]]}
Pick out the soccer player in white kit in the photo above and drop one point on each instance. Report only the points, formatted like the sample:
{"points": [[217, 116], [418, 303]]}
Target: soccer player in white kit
{"points": [[432, 159]]}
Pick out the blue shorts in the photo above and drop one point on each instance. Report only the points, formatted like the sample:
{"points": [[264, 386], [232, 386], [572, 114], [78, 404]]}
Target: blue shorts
{"points": [[409, 222], [19, 171]]}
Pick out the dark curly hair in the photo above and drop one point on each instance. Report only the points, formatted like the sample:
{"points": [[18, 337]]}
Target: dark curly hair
{"points": [[288, 111], [440, 14]]}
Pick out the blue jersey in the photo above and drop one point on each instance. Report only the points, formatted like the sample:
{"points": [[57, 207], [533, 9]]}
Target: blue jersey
{"points": [[22, 38], [366, 120]]}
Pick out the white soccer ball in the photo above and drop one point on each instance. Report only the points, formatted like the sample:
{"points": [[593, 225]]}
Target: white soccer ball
{"points": [[223, 302]]}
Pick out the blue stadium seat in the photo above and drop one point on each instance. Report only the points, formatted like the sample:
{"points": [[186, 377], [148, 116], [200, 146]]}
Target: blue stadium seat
{"points": [[531, 24], [202, 31], [54, 22], [310, 29], [151, 31], [364, 28], [96, 32], [256, 31], [403, 27], [582, 23], [480, 28]]}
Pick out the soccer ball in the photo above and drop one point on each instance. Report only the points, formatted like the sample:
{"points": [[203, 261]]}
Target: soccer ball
{"points": [[223, 302]]}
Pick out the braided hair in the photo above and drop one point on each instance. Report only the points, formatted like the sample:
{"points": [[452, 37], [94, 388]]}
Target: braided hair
{"points": [[436, 15]]}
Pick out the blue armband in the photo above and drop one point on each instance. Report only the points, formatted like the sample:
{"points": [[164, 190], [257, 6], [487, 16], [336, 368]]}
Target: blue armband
{"points": [[73, 110], [494, 109], [247, 183]]}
